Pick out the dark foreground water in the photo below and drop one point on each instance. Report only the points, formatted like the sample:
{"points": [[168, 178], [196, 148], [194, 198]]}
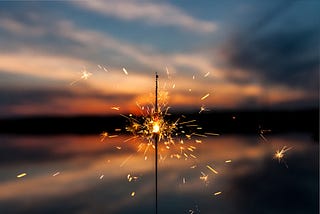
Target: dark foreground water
{"points": [[80, 174]]}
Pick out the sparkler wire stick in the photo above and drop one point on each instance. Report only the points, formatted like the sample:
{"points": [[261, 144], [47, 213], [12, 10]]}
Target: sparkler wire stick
{"points": [[156, 139]]}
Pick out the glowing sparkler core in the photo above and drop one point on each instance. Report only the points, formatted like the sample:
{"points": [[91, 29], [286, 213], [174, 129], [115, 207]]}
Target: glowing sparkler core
{"points": [[156, 127]]}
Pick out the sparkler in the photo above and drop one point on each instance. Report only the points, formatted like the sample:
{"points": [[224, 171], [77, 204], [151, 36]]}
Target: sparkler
{"points": [[153, 126]]}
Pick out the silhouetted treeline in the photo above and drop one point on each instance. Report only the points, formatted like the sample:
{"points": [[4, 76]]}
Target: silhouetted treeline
{"points": [[245, 122]]}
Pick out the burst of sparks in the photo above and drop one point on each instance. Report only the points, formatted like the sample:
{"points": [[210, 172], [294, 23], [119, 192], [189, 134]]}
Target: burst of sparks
{"points": [[171, 132], [21, 175]]}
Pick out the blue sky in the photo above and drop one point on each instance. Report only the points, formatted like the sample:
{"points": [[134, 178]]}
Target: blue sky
{"points": [[245, 54]]}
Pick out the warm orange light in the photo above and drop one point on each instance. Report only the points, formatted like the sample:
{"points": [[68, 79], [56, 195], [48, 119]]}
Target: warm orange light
{"points": [[156, 127]]}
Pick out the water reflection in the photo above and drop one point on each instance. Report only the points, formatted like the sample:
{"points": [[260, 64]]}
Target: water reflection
{"points": [[252, 183]]}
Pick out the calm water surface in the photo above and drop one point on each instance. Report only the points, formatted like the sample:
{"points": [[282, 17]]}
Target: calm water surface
{"points": [[80, 174]]}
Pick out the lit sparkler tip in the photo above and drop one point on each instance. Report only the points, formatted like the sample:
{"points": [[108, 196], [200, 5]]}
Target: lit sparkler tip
{"points": [[21, 175]]}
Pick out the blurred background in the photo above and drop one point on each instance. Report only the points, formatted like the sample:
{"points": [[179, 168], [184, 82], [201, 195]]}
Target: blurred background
{"points": [[247, 70]]}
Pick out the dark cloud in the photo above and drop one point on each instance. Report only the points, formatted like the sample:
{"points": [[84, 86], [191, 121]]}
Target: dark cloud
{"points": [[281, 58], [279, 48]]}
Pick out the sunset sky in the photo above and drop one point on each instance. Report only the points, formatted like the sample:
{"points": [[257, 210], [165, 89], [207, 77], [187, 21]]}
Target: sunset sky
{"points": [[245, 54]]}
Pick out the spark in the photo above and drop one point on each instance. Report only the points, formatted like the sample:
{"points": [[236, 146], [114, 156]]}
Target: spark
{"points": [[103, 136], [183, 180], [113, 136], [125, 71], [168, 73], [131, 178], [213, 170], [56, 174], [101, 177], [103, 68], [228, 161], [204, 177], [262, 133], [174, 85], [133, 194], [213, 134], [217, 193], [85, 75], [280, 153], [205, 96], [118, 147], [21, 175], [117, 108], [203, 108], [207, 74], [194, 166]]}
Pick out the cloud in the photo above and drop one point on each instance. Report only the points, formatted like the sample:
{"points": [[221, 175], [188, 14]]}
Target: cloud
{"points": [[280, 58], [148, 12], [279, 50]]}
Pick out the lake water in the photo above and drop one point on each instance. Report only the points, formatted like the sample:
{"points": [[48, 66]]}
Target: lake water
{"points": [[222, 174]]}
